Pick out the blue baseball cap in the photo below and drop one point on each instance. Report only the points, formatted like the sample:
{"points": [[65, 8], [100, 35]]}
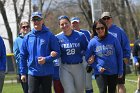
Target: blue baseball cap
{"points": [[75, 19], [36, 14]]}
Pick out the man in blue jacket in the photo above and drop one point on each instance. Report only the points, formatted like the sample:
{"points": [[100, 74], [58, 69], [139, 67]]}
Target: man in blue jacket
{"points": [[39, 48], [2, 63], [120, 34]]}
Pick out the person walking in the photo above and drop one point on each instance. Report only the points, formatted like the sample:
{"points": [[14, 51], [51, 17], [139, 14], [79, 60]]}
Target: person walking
{"points": [[75, 24], [136, 58], [24, 29], [2, 63], [120, 34], [107, 62], [72, 45], [39, 48]]}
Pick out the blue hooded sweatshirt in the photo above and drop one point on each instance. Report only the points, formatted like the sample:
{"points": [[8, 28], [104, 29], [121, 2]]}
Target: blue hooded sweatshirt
{"points": [[16, 50], [108, 54], [2, 55], [36, 44], [123, 39]]}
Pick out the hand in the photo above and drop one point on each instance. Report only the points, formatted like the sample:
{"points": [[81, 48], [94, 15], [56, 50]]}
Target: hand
{"points": [[137, 64], [88, 68], [102, 70], [126, 60], [53, 54], [91, 59], [41, 60], [23, 78]]}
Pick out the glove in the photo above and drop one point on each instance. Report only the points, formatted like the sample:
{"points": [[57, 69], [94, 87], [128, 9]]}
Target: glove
{"points": [[88, 68]]}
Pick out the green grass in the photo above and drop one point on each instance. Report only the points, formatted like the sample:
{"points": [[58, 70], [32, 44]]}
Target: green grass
{"points": [[16, 87], [12, 88], [10, 76]]}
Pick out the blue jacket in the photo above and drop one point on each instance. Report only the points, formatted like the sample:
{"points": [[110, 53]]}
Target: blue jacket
{"points": [[86, 32], [16, 50], [36, 44], [122, 37], [108, 54], [2, 55], [72, 46]]}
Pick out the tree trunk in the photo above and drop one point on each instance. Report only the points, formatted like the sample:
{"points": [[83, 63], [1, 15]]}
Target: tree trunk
{"points": [[9, 32], [85, 7], [134, 25]]}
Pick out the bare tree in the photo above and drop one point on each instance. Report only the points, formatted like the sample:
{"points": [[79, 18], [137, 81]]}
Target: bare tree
{"points": [[86, 9], [18, 16], [133, 22], [9, 31]]}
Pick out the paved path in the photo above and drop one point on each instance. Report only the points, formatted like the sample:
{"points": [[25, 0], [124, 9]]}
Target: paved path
{"points": [[10, 81]]}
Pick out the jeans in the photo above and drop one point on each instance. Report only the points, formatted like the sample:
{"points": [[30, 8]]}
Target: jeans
{"points": [[34, 83], [2, 76], [106, 81]]}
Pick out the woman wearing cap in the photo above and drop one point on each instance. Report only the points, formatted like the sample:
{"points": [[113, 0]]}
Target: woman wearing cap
{"points": [[72, 45], [24, 29], [107, 63]]}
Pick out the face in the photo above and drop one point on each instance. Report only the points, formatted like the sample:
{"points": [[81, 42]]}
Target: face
{"points": [[75, 25], [100, 29], [108, 20], [24, 29], [37, 23], [64, 25]]}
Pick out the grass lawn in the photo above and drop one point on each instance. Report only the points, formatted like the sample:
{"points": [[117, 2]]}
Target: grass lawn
{"points": [[16, 87]]}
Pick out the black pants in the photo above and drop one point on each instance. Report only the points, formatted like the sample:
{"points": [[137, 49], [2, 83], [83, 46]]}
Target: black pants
{"points": [[34, 83], [24, 84], [106, 82]]}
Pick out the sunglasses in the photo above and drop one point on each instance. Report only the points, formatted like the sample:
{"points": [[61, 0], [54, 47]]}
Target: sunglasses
{"points": [[25, 27], [100, 28], [36, 19], [63, 17], [106, 18]]}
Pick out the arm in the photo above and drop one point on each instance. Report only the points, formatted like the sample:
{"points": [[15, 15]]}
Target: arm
{"points": [[23, 57], [2, 53], [84, 42], [55, 47], [16, 51], [135, 54], [125, 46], [119, 55]]}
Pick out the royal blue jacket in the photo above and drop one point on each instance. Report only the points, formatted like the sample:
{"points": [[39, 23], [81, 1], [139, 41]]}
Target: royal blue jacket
{"points": [[108, 54], [2, 55], [36, 44], [16, 50], [86, 32], [122, 37], [72, 46]]}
